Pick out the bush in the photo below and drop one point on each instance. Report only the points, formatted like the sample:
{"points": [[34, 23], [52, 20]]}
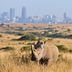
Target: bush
{"points": [[63, 49], [28, 37], [24, 48], [36, 33], [7, 48]]}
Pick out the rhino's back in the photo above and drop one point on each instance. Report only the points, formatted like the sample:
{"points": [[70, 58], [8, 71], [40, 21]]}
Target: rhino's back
{"points": [[50, 51]]}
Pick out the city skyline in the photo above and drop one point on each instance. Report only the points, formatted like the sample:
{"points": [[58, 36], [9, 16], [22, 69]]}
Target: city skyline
{"points": [[11, 16], [23, 12], [38, 7]]}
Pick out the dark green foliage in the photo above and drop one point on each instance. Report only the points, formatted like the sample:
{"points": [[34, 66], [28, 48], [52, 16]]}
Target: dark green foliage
{"points": [[69, 36], [56, 35], [36, 34], [7, 48], [28, 37], [24, 48], [63, 49]]}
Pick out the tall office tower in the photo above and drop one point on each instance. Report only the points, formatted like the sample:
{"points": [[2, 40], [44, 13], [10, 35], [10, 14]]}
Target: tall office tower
{"points": [[12, 14], [65, 15], [65, 18], [53, 20], [23, 15]]}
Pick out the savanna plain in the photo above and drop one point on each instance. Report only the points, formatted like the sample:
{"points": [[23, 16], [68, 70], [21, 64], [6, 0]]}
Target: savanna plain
{"points": [[15, 47]]}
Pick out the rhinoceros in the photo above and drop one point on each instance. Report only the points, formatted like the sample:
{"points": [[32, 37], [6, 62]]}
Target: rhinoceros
{"points": [[44, 52]]}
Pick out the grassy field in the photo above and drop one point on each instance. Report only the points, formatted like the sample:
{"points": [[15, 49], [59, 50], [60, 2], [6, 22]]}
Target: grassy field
{"points": [[15, 54]]}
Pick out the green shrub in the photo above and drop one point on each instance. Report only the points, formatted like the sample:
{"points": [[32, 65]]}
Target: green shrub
{"points": [[28, 37], [24, 48], [63, 49], [7, 48]]}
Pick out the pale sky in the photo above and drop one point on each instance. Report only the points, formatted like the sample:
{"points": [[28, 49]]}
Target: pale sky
{"points": [[38, 7]]}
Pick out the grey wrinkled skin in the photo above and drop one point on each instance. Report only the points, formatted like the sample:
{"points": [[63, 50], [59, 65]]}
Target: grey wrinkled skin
{"points": [[44, 53]]}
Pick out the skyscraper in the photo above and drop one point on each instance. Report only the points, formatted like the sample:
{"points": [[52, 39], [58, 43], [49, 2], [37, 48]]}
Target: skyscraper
{"points": [[12, 14], [53, 20], [23, 15], [65, 15], [65, 18]]}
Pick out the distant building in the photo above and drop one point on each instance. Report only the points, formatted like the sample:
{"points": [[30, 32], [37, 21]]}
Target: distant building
{"points": [[53, 19], [23, 14], [4, 17], [12, 14], [46, 19], [67, 19]]}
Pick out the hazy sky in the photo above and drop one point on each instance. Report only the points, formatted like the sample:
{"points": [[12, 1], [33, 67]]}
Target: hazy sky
{"points": [[38, 7]]}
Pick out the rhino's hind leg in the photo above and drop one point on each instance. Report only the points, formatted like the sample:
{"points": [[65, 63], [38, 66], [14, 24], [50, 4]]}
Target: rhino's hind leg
{"points": [[44, 61]]}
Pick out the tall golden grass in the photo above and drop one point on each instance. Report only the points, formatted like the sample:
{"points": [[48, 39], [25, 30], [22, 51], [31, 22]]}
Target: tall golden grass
{"points": [[13, 62]]}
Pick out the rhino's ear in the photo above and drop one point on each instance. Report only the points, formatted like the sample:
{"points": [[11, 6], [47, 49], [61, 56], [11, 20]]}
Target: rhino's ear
{"points": [[33, 43]]}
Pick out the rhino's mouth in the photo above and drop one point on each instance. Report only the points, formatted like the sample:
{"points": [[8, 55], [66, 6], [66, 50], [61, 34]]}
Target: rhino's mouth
{"points": [[38, 53]]}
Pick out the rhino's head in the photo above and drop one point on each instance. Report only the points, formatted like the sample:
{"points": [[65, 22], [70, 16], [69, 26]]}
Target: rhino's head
{"points": [[38, 45], [36, 50]]}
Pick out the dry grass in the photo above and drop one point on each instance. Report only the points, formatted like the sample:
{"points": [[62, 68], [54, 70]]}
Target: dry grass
{"points": [[17, 61], [60, 27], [13, 62]]}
